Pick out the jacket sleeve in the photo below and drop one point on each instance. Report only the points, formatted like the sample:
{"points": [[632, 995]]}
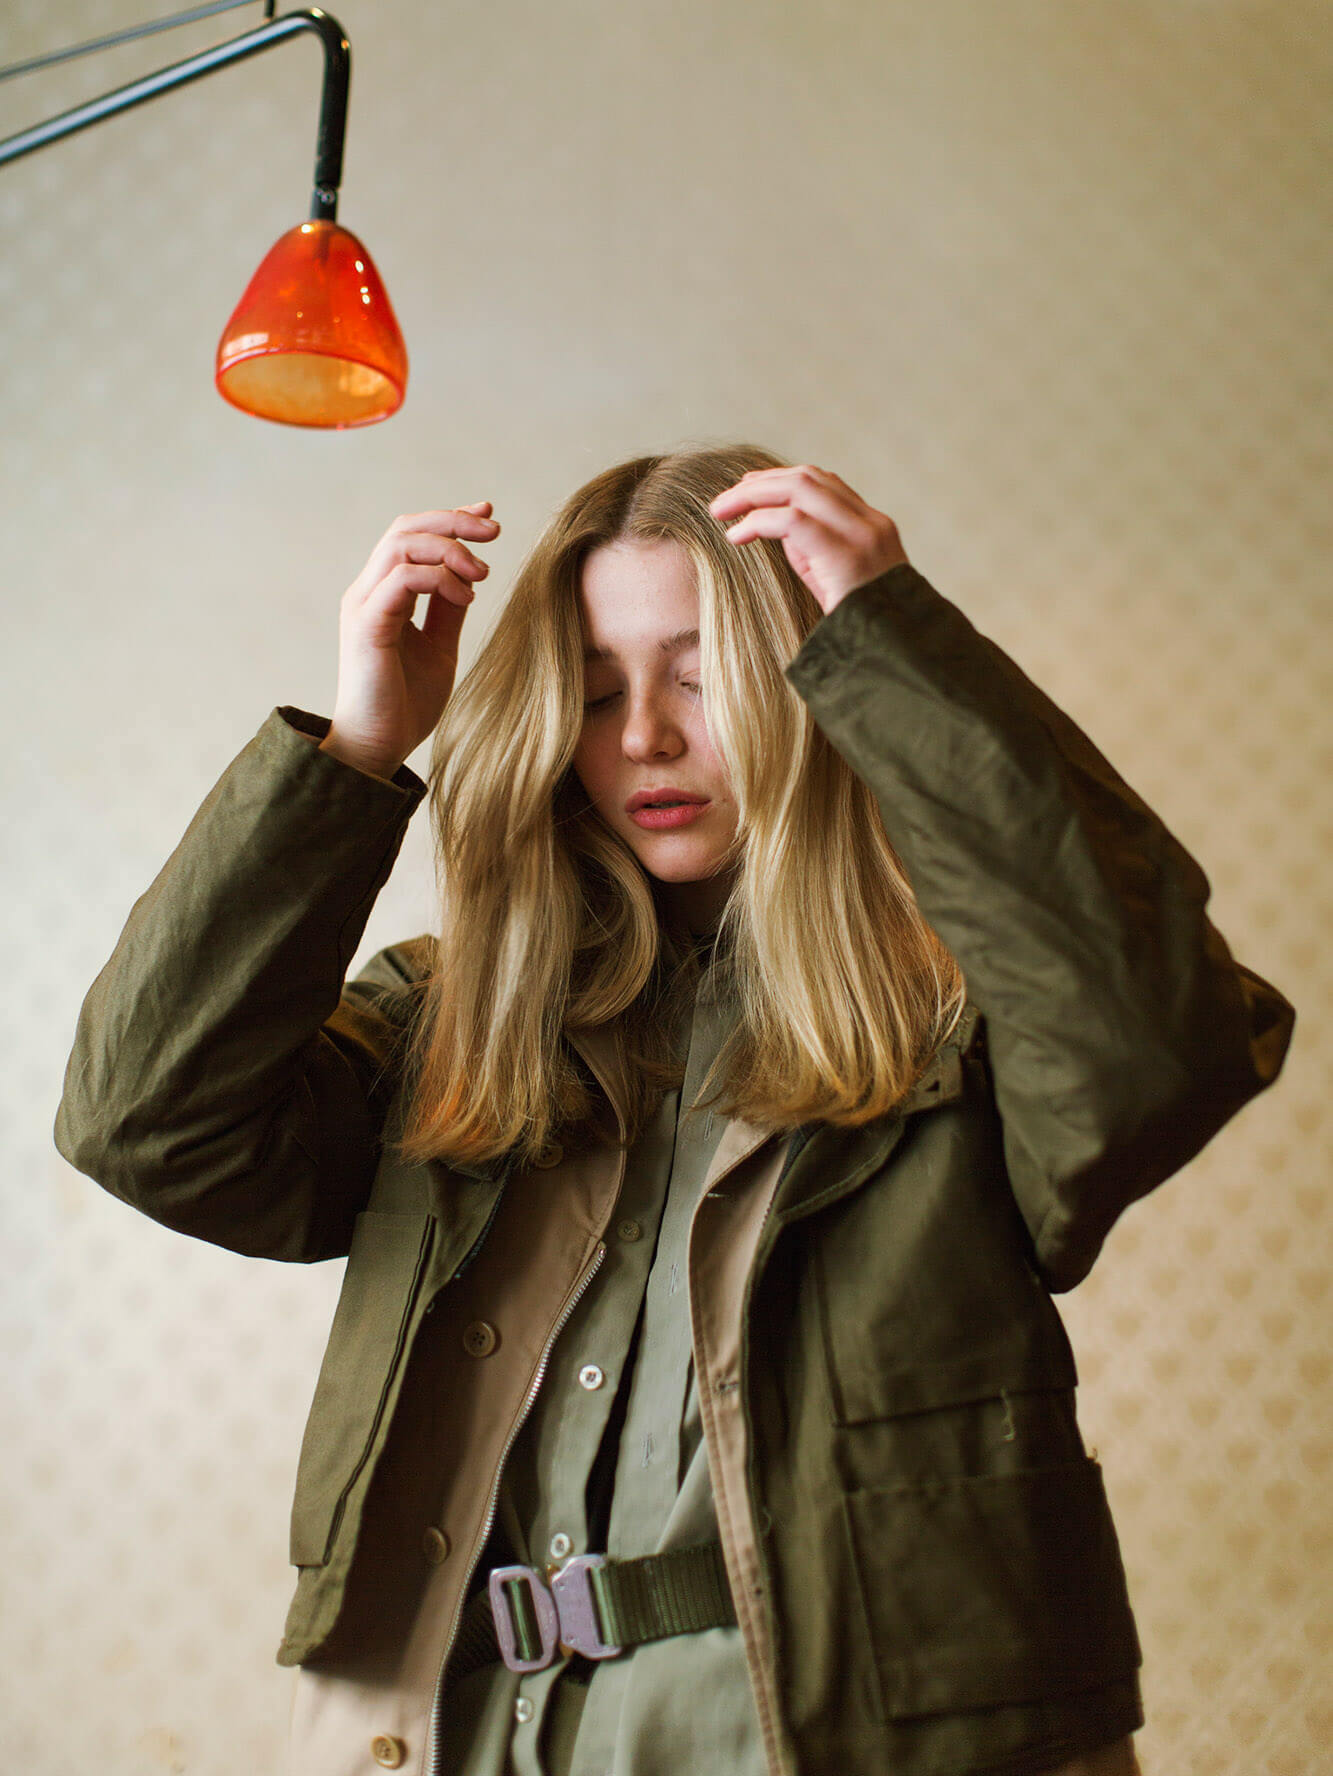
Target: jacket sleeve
{"points": [[223, 1079], [1121, 1034]]}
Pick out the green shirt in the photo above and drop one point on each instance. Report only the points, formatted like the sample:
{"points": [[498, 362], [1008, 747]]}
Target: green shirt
{"points": [[621, 1382]]}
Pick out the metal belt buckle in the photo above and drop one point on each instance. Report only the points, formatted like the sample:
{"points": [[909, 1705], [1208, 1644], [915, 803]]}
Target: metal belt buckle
{"points": [[566, 1614], [543, 1604], [580, 1629]]}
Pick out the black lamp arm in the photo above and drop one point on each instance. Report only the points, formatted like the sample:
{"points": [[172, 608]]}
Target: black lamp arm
{"points": [[332, 103]]}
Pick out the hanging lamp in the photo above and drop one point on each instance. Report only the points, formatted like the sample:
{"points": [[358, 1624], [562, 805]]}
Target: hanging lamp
{"points": [[314, 340]]}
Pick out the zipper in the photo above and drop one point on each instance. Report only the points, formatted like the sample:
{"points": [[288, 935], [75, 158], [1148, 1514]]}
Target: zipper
{"points": [[432, 1752], [768, 1731], [745, 1606], [772, 1748]]}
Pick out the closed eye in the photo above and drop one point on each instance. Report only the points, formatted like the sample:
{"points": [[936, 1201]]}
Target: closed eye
{"points": [[610, 697]]}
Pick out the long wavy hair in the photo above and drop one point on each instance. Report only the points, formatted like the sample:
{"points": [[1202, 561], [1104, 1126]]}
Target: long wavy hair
{"points": [[550, 924]]}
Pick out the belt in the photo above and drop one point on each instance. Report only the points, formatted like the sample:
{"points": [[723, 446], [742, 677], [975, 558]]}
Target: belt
{"points": [[593, 1605]]}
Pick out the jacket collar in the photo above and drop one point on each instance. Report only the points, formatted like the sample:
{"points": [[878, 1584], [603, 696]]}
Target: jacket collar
{"points": [[940, 1083], [596, 1046]]}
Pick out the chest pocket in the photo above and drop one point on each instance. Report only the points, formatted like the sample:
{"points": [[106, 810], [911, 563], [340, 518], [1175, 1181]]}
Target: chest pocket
{"points": [[359, 1378]]}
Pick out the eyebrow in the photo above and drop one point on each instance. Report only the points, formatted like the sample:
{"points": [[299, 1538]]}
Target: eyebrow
{"points": [[674, 644]]}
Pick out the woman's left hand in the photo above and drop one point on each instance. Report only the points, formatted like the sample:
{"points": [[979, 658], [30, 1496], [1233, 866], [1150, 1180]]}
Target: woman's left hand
{"points": [[832, 538]]}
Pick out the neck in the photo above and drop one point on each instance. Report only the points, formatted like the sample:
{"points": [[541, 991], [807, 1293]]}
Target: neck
{"points": [[693, 907]]}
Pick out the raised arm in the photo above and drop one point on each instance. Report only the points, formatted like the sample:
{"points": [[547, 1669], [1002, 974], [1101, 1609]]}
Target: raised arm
{"points": [[1121, 1034], [224, 1079]]}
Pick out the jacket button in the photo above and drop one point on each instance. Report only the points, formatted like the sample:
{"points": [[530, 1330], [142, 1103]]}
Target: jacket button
{"points": [[524, 1710], [550, 1155], [480, 1339], [435, 1545], [387, 1750], [630, 1230], [590, 1377]]}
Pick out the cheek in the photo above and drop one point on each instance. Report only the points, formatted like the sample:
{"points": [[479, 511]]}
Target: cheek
{"points": [[594, 768], [701, 745]]}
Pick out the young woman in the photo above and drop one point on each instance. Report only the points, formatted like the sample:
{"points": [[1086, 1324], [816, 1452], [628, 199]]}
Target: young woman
{"points": [[809, 998]]}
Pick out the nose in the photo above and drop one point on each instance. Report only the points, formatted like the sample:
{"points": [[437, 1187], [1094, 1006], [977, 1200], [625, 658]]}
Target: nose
{"points": [[649, 732]]}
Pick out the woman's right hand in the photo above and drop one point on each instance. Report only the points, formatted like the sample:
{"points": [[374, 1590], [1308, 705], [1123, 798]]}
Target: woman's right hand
{"points": [[394, 678]]}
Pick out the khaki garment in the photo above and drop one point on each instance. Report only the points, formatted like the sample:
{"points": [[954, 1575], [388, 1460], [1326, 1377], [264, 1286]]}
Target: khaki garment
{"points": [[628, 1719], [341, 1712]]}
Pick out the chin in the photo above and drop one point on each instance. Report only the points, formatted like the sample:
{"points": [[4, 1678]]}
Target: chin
{"points": [[683, 873], [674, 875], [665, 868]]}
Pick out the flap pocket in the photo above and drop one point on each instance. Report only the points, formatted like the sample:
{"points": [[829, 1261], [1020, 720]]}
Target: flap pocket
{"points": [[992, 1590], [360, 1374], [919, 1345]]}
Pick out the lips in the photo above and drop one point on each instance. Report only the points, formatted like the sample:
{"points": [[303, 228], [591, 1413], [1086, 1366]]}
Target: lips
{"points": [[663, 797]]}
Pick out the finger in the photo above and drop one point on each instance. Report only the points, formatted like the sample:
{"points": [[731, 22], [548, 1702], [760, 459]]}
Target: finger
{"points": [[460, 521], [786, 474], [430, 548], [810, 498], [433, 551], [440, 625], [773, 521], [394, 599], [774, 487]]}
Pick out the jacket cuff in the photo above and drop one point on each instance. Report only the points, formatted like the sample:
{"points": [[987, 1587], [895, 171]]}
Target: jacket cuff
{"points": [[301, 721], [839, 636]]}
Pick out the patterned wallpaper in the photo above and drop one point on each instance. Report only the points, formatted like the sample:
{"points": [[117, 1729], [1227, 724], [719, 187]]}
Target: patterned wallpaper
{"points": [[1051, 285]]}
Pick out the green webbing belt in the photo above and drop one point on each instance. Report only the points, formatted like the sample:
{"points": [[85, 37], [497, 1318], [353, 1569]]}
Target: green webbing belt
{"points": [[649, 1598], [662, 1594]]}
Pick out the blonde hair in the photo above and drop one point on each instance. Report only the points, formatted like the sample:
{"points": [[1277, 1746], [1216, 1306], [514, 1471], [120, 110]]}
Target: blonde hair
{"points": [[549, 923]]}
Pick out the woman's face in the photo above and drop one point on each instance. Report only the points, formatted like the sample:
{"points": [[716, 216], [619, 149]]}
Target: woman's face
{"points": [[643, 722]]}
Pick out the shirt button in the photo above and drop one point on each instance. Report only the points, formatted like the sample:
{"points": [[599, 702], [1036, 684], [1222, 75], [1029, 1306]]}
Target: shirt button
{"points": [[480, 1339], [523, 1710], [550, 1155], [590, 1377], [630, 1230], [387, 1750], [560, 1546], [435, 1545]]}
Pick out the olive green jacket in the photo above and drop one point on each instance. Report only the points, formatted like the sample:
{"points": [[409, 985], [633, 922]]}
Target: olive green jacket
{"points": [[930, 1573]]}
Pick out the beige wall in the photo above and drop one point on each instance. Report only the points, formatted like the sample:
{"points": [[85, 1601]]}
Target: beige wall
{"points": [[1048, 282]]}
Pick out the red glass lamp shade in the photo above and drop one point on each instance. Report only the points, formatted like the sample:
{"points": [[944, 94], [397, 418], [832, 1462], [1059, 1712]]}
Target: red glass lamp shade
{"points": [[314, 340]]}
